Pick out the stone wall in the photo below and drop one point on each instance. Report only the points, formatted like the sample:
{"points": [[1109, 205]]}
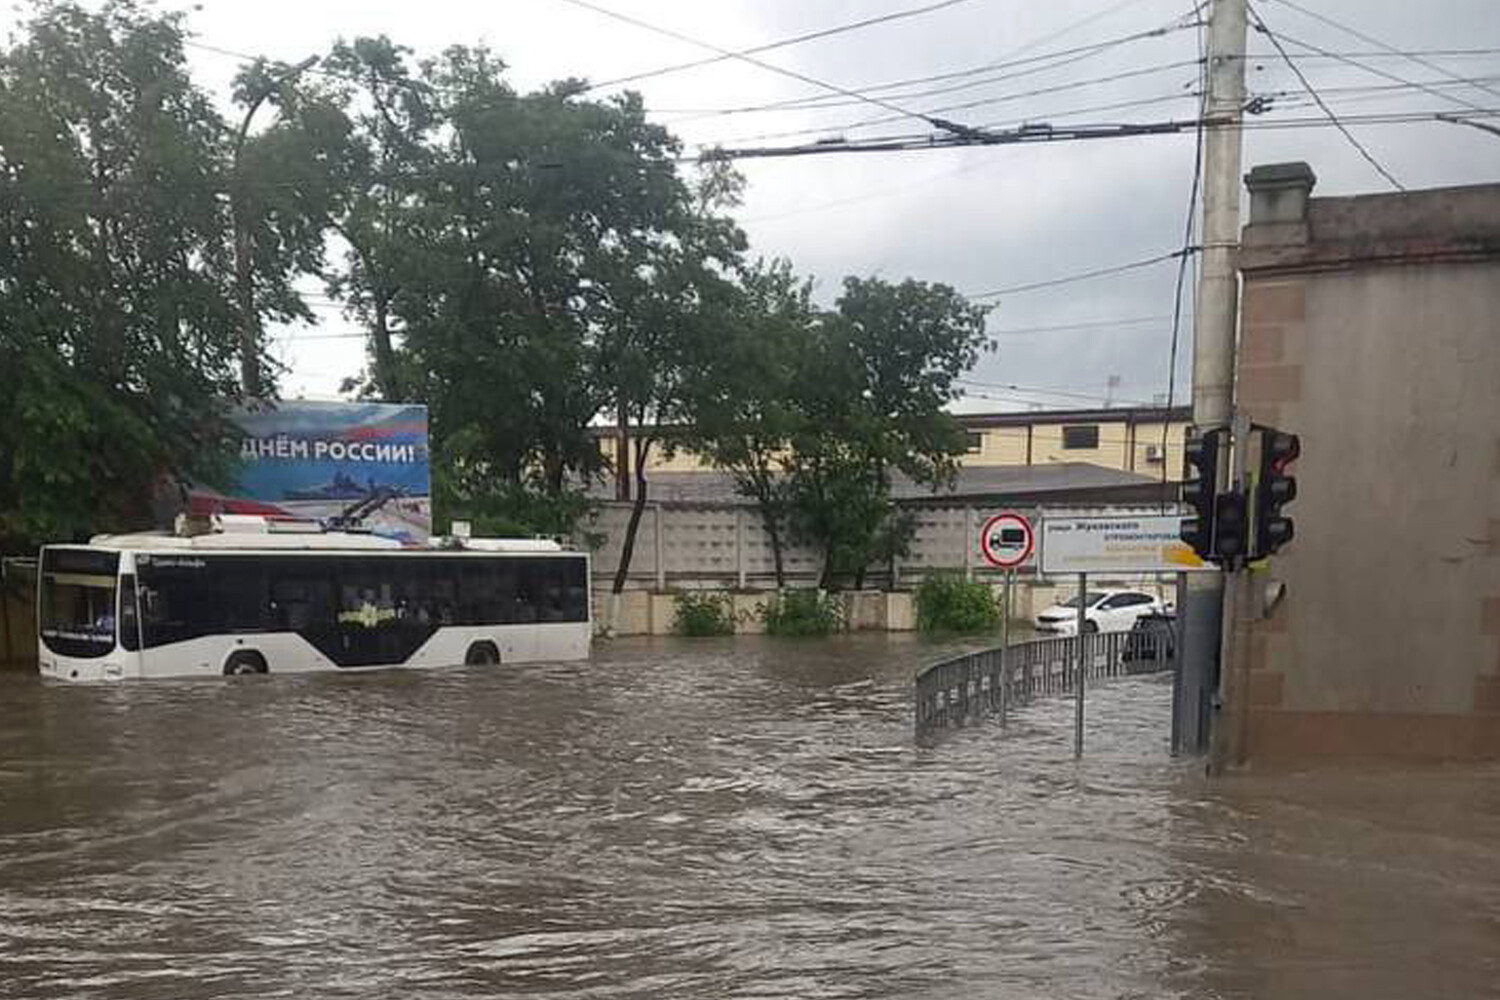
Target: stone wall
{"points": [[1373, 335]]}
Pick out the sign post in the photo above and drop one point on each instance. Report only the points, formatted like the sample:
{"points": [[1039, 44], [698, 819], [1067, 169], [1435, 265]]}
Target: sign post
{"points": [[1124, 543], [1010, 579], [1083, 639], [1007, 541]]}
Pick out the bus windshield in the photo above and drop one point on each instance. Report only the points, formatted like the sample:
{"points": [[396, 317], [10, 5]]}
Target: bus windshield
{"points": [[77, 601]]}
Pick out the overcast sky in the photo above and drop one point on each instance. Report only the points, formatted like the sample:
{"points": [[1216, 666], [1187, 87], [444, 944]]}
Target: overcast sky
{"points": [[978, 218]]}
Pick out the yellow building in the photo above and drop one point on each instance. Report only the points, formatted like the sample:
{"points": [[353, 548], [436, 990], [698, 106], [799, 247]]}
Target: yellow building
{"points": [[1138, 439], [1128, 440]]}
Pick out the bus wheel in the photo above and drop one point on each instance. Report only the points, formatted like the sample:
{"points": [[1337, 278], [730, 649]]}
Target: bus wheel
{"points": [[482, 654], [245, 662]]}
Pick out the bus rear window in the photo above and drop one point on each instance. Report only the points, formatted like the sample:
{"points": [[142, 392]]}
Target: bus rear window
{"points": [[77, 601]]}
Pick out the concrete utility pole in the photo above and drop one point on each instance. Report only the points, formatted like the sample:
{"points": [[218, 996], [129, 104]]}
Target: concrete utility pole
{"points": [[1203, 613]]}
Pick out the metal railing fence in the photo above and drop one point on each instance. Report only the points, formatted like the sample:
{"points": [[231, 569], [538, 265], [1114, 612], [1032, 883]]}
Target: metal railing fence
{"points": [[974, 686]]}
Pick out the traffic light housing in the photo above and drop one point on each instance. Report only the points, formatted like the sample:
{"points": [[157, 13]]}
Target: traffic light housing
{"points": [[1231, 529], [1200, 456], [1274, 488]]}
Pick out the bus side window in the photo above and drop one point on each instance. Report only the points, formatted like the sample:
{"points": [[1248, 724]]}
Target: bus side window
{"points": [[242, 591], [443, 595], [575, 575], [528, 589]]}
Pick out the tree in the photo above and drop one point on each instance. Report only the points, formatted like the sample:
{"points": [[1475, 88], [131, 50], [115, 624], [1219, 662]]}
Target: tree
{"points": [[390, 165], [743, 410], [873, 394], [118, 335], [663, 296], [285, 184], [542, 253]]}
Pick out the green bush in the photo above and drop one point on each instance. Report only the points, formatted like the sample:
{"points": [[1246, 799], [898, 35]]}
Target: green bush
{"points": [[803, 612], [703, 614], [953, 604]]}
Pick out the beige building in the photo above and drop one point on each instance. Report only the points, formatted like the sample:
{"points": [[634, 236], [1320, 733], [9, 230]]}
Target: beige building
{"points": [[1138, 439], [1127, 440], [1371, 327]]}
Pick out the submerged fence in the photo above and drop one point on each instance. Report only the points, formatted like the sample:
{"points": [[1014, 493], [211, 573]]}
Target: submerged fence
{"points": [[990, 682]]}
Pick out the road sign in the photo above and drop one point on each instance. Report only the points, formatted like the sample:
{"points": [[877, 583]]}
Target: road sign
{"points": [[1124, 544], [1007, 541]]}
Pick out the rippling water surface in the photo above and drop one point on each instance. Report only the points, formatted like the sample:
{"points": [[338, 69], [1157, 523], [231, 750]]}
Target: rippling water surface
{"points": [[708, 818]]}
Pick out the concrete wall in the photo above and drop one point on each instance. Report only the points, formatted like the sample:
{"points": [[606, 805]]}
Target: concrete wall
{"points": [[1388, 366], [640, 612], [18, 630]]}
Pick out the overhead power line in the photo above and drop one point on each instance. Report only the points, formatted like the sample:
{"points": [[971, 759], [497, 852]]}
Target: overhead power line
{"points": [[1048, 61], [969, 105], [1045, 132], [1481, 126], [1260, 25], [783, 43], [906, 143], [1394, 53], [1037, 390], [1372, 91], [1021, 331], [938, 123], [1417, 58], [1376, 71], [1015, 96], [1101, 272]]}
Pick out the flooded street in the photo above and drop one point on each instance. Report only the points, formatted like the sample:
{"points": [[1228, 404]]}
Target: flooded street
{"points": [[707, 818]]}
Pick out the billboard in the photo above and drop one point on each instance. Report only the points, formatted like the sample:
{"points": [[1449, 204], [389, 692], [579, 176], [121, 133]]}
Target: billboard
{"points": [[317, 460]]}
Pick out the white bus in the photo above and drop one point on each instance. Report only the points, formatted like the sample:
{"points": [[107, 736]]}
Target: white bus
{"points": [[255, 597]]}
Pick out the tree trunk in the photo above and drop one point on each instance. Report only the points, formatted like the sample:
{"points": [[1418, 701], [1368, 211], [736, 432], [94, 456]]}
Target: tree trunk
{"points": [[554, 472], [385, 357], [627, 550], [244, 293], [773, 531], [825, 579], [622, 456]]}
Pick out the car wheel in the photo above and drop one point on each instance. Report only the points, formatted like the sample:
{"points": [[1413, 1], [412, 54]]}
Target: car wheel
{"points": [[1090, 627], [244, 663]]}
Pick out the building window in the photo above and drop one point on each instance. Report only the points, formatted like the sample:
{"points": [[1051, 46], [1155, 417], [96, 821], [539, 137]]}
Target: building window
{"points": [[1081, 438], [973, 442]]}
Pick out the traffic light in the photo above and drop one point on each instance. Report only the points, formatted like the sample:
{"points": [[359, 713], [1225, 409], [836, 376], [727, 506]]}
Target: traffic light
{"points": [[1231, 528], [1200, 474], [1274, 489]]}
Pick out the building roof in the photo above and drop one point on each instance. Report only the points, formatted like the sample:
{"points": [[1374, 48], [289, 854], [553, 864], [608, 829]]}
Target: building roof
{"points": [[1023, 418], [1107, 415], [1055, 482]]}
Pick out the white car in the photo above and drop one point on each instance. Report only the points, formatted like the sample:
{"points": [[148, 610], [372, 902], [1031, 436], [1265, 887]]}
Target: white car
{"points": [[1104, 611]]}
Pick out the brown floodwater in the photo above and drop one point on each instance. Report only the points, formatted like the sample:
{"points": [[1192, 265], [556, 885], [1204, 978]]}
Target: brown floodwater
{"points": [[711, 818]]}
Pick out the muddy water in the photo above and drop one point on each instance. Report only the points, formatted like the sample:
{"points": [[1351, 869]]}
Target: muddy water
{"points": [[704, 819]]}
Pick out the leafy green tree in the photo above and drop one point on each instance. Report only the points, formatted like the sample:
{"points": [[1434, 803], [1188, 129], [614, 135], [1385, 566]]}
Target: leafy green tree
{"points": [[118, 335], [873, 394], [286, 182], [664, 295], [481, 262], [390, 166], [743, 410]]}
